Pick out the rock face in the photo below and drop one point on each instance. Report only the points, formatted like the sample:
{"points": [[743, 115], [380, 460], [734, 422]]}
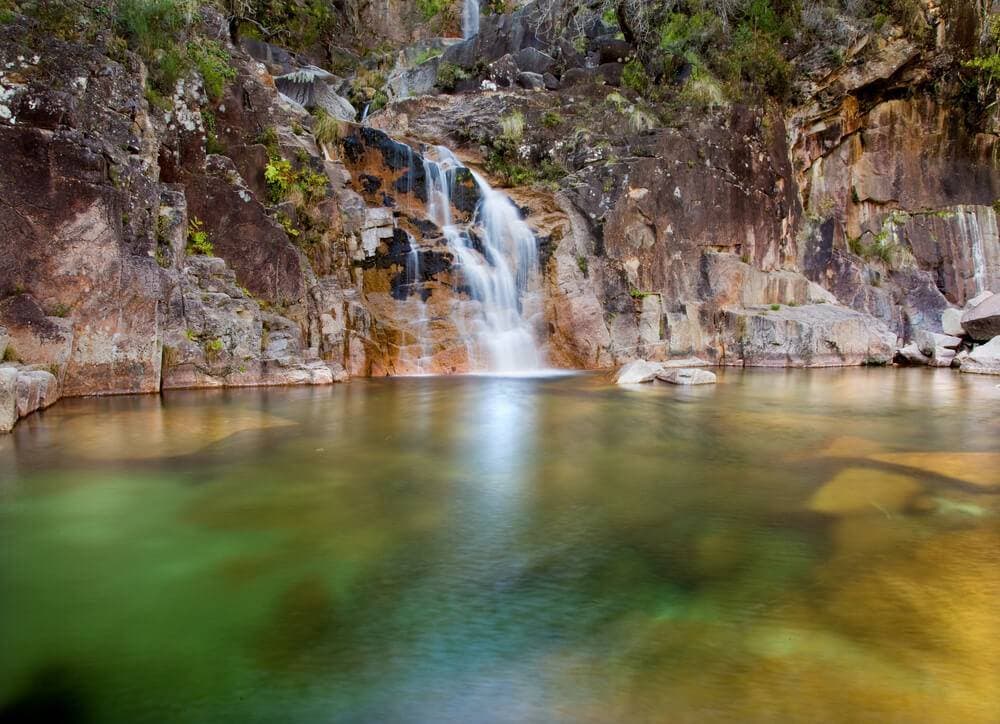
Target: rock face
{"points": [[811, 336], [982, 322]]}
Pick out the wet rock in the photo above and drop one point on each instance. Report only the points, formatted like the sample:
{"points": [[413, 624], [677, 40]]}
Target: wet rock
{"points": [[686, 376], [982, 322], [984, 359], [638, 372]]}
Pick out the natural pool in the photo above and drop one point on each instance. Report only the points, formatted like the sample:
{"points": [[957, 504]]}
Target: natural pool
{"points": [[784, 546]]}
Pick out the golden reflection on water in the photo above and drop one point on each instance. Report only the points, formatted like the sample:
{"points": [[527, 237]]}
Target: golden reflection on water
{"points": [[784, 547]]}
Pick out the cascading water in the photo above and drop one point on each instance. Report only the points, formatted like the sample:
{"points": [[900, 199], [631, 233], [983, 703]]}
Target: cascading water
{"points": [[470, 18], [497, 259]]}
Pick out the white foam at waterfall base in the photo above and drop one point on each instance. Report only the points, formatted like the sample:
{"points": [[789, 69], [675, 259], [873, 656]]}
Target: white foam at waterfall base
{"points": [[470, 18], [502, 277]]}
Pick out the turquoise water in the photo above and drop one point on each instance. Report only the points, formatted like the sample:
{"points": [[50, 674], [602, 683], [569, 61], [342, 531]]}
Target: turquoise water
{"points": [[784, 546]]}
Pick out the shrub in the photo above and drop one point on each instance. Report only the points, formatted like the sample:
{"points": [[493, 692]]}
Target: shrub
{"points": [[279, 176], [551, 119], [197, 238], [212, 61], [430, 8], [635, 78], [449, 75], [512, 126], [326, 128]]}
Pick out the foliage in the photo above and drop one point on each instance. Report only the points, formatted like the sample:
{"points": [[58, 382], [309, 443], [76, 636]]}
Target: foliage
{"points": [[212, 144], [987, 65], [449, 75], [283, 179], [512, 126], [551, 119], [198, 241], [431, 8], [296, 24], [427, 54], [326, 129], [212, 61], [634, 77]]}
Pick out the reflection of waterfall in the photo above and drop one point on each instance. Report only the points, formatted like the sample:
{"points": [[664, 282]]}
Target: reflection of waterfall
{"points": [[498, 262], [470, 18]]}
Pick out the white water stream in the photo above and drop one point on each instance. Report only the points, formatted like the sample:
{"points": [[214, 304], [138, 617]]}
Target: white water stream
{"points": [[470, 18], [500, 272]]}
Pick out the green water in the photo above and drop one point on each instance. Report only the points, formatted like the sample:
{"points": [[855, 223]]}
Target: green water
{"points": [[784, 546]]}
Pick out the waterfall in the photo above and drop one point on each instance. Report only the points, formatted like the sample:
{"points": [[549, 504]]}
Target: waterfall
{"points": [[470, 18], [497, 260]]}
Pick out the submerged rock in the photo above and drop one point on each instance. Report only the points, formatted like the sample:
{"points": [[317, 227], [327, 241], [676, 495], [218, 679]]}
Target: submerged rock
{"points": [[864, 490]]}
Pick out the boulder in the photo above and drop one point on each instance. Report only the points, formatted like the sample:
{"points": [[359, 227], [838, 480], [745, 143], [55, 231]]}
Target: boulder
{"points": [[912, 355], [638, 372], [313, 87], [612, 50], [942, 357], [927, 341], [503, 71], [984, 359], [36, 389], [982, 322], [977, 300], [685, 362], [4, 341], [816, 335], [551, 82], [8, 398], [533, 60], [686, 376], [574, 76], [951, 322], [611, 73], [530, 81]]}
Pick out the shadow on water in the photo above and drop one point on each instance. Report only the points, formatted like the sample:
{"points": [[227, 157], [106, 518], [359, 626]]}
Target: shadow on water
{"points": [[53, 695]]}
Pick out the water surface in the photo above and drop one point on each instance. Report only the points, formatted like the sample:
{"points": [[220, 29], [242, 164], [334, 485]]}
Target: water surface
{"points": [[784, 546]]}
